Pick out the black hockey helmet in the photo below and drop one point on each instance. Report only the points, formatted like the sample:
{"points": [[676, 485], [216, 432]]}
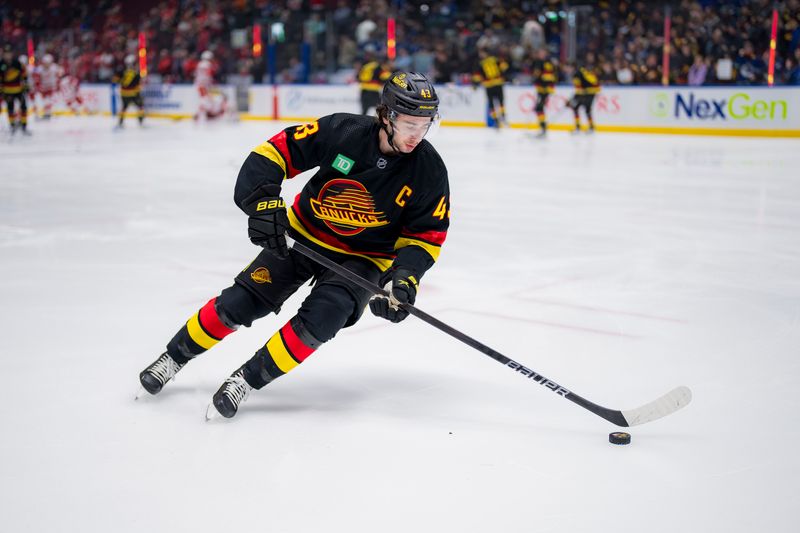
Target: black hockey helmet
{"points": [[410, 93]]}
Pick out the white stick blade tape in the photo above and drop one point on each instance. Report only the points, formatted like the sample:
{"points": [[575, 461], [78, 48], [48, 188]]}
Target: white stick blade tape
{"points": [[661, 407]]}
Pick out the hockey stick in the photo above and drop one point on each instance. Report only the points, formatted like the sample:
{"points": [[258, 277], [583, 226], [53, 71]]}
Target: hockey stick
{"points": [[661, 407]]}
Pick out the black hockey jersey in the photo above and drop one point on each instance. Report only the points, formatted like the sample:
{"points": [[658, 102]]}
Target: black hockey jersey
{"points": [[544, 77], [130, 82], [585, 81], [489, 71], [360, 202], [13, 77], [372, 75]]}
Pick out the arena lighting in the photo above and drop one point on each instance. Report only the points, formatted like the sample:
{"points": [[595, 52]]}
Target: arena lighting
{"points": [[257, 40], [142, 56], [772, 39], [665, 56], [391, 43], [31, 58]]}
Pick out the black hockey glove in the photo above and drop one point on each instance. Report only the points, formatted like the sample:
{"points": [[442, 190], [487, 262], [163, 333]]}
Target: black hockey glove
{"points": [[268, 221], [403, 290]]}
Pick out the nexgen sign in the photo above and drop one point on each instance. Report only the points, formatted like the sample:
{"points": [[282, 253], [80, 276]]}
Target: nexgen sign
{"points": [[738, 107]]}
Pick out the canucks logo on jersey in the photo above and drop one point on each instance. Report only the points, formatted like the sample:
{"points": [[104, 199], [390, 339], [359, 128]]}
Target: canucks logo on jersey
{"points": [[347, 207]]}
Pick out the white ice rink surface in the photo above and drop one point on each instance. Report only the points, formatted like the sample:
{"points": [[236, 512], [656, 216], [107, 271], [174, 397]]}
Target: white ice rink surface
{"points": [[618, 265]]}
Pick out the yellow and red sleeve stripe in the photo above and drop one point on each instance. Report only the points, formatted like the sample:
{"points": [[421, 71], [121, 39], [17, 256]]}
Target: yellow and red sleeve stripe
{"points": [[277, 150], [430, 241], [205, 327]]}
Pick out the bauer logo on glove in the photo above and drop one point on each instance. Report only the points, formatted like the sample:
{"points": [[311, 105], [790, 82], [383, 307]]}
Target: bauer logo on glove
{"points": [[271, 204], [268, 220]]}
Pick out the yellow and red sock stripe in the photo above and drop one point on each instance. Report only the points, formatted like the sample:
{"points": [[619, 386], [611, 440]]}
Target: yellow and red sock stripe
{"points": [[205, 327], [287, 349]]}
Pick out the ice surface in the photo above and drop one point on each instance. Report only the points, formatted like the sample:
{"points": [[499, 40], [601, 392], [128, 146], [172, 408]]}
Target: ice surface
{"points": [[618, 265]]}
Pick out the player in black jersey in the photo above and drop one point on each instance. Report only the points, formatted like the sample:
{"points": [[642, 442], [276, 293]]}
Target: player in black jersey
{"points": [[130, 89], [371, 77], [544, 73], [586, 88], [13, 87], [378, 205], [489, 72]]}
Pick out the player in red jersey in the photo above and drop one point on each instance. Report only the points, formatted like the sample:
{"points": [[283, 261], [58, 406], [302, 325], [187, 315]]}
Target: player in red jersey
{"points": [[204, 82], [46, 76]]}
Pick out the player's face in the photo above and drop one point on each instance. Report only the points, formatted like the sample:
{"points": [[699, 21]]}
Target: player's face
{"points": [[409, 131]]}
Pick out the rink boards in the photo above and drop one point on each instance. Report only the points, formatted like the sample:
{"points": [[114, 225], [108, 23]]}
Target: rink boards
{"points": [[756, 111]]}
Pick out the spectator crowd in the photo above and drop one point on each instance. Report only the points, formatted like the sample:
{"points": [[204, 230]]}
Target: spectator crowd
{"points": [[319, 41]]}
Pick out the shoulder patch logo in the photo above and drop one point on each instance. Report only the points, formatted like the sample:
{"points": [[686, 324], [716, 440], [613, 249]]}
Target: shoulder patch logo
{"points": [[343, 164]]}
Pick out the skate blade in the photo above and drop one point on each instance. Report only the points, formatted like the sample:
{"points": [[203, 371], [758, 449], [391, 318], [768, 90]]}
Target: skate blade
{"points": [[212, 413]]}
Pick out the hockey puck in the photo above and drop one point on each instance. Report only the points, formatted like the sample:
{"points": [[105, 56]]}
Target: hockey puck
{"points": [[619, 437]]}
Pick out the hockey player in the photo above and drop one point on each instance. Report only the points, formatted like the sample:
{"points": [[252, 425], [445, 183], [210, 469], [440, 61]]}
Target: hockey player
{"points": [[46, 78], [378, 205], [14, 83], [216, 104], [70, 88], [371, 77], [544, 73], [204, 82], [489, 73], [130, 89], [586, 88]]}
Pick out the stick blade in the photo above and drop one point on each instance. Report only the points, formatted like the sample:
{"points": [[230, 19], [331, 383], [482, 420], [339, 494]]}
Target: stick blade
{"points": [[672, 401]]}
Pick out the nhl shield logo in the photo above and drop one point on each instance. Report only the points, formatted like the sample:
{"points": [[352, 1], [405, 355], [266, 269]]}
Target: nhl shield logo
{"points": [[381, 163]]}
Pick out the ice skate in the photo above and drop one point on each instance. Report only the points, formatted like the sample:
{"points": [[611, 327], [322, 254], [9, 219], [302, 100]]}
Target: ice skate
{"points": [[233, 392], [154, 377]]}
